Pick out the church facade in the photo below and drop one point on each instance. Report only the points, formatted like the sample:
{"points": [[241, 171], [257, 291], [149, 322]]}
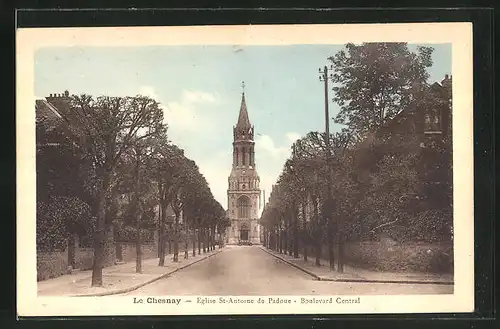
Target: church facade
{"points": [[243, 194]]}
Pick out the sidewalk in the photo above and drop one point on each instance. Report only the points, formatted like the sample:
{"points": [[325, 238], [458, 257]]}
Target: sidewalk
{"points": [[118, 279], [353, 274]]}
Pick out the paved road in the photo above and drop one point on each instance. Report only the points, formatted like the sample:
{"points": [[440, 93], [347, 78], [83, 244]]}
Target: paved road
{"points": [[251, 271]]}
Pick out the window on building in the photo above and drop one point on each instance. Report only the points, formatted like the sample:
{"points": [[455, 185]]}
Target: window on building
{"points": [[243, 205], [432, 122]]}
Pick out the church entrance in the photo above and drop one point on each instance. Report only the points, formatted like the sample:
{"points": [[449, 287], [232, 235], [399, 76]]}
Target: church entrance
{"points": [[244, 235], [244, 232]]}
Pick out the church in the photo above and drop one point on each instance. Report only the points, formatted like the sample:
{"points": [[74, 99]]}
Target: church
{"points": [[243, 194]]}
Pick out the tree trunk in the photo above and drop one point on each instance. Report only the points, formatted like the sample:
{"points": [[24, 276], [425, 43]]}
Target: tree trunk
{"points": [[138, 251], [214, 239], [318, 252], [295, 220], [161, 237], [306, 235], [318, 233], [119, 251], [209, 239], [193, 237], [186, 242], [340, 265], [331, 255], [277, 239], [199, 241], [71, 250], [176, 238], [284, 240], [287, 234], [99, 237], [204, 240], [272, 239], [291, 236]]}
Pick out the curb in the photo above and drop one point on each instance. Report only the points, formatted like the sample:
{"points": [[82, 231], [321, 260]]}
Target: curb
{"points": [[321, 278], [129, 289], [317, 277]]}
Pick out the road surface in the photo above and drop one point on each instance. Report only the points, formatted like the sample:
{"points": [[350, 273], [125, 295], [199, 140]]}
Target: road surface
{"points": [[248, 270]]}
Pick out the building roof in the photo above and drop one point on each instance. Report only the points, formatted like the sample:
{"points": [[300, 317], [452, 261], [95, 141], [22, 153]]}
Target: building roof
{"points": [[46, 109], [243, 120]]}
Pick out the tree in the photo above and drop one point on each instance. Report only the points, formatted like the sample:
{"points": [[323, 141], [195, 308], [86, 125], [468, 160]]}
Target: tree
{"points": [[197, 202], [301, 183], [168, 165], [310, 155], [375, 81], [140, 154], [105, 128]]}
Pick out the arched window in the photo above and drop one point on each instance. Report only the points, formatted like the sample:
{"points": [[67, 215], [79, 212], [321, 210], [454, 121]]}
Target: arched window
{"points": [[243, 205]]}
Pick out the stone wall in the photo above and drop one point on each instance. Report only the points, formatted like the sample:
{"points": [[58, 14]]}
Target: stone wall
{"points": [[54, 264], [51, 264], [386, 256], [129, 251], [84, 258]]}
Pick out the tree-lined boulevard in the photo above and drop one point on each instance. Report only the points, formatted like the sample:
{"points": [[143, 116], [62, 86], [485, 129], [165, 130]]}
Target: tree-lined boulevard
{"points": [[117, 149], [106, 164], [240, 271]]}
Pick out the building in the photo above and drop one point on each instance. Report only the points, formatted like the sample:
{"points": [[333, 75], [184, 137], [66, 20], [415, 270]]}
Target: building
{"points": [[430, 123], [243, 194], [426, 125]]}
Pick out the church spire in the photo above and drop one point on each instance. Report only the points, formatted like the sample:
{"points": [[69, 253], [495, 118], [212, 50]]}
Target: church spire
{"points": [[243, 121]]}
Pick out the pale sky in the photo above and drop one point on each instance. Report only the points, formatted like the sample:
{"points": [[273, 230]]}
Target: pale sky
{"points": [[199, 88]]}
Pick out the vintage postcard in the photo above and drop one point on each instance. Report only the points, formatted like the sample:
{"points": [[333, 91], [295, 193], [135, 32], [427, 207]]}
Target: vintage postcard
{"points": [[272, 169]]}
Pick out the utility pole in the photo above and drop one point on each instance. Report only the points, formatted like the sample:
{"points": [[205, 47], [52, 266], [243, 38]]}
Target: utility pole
{"points": [[324, 77]]}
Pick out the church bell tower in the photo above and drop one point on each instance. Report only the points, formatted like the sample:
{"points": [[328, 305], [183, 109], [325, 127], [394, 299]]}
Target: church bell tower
{"points": [[243, 184]]}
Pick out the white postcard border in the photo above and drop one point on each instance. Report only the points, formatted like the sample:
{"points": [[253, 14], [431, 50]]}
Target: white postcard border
{"points": [[458, 34]]}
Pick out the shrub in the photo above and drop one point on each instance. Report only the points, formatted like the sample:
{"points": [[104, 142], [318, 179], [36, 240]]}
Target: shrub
{"points": [[57, 218]]}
